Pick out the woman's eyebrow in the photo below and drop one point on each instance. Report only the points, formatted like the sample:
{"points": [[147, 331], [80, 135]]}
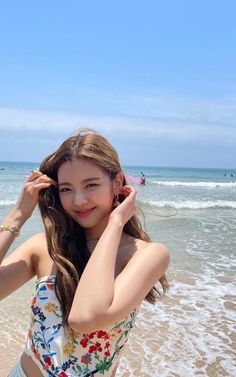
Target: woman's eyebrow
{"points": [[86, 180], [91, 179], [64, 183]]}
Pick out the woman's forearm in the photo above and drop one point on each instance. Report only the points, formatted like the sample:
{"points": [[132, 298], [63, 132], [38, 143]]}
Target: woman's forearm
{"points": [[23, 208], [14, 219], [95, 290]]}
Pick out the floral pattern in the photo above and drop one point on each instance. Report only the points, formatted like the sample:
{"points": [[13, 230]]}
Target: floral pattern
{"points": [[60, 351]]}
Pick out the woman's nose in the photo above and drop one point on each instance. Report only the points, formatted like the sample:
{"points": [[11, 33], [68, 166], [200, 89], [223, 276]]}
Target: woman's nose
{"points": [[79, 198]]}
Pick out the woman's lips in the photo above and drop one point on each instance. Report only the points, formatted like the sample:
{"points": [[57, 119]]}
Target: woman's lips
{"points": [[85, 212]]}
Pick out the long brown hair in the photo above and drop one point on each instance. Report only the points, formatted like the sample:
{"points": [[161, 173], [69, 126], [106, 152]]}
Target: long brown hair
{"points": [[66, 239]]}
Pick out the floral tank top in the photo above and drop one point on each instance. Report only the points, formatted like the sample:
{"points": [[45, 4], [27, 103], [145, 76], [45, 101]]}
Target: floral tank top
{"points": [[61, 352]]}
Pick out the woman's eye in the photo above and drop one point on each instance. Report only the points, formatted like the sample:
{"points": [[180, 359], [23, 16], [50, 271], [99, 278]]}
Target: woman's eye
{"points": [[90, 185], [65, 189]]}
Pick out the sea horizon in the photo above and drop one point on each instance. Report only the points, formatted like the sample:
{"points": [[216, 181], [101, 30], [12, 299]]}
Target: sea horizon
{"points": [[139, 166]]}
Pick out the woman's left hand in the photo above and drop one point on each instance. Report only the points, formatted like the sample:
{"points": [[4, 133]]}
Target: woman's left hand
{"points": [[127, 208]]}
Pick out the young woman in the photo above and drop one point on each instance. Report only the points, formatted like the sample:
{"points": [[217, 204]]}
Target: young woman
{"points": [[94, 263]]}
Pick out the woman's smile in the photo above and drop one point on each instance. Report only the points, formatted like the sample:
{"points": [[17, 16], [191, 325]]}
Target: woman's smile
{"points": [[84, 212]]}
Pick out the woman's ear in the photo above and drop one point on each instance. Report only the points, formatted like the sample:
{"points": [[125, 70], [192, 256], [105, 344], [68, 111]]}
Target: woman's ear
{"points": [[118, 182]]}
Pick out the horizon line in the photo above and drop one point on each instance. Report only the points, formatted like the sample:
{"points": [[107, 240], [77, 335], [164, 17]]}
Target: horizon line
{"points": [[137, 166]]}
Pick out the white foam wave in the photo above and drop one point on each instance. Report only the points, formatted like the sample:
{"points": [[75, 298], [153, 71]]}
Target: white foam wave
{"points": [[187, 334], [189, 204], [196, 184], [7, 202]]}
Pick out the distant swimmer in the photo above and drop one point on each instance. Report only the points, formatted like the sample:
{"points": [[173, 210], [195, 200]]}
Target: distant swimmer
{"points": [[142, 179]]}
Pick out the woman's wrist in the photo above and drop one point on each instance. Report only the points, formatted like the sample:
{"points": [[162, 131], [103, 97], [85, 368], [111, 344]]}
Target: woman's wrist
{"points": [[115, 219], [15, 219], [10, 228]]}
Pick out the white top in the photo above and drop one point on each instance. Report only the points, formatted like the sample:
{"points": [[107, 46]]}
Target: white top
{"points": [[61, 352]]}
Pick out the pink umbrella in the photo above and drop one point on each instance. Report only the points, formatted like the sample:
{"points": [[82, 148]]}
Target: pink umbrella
{"points": [[133, 179]]}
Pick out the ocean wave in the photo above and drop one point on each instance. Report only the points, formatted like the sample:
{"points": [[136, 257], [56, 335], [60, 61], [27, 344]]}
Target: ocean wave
{"points": [[196, 184], [188, 204], [192, 328], [7, 202]]}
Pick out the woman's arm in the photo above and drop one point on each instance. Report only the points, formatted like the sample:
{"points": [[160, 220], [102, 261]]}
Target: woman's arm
{"points": [[17, 268], [100, 299], [13, 220], [95, 291]]}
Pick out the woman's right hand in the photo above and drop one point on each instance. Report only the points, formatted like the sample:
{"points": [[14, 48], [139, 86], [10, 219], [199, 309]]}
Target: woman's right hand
{"points": [[29, 195], [127, 208]]}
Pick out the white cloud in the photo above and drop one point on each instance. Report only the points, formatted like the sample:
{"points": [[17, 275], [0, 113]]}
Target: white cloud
{"points": [[185, 109], [30, 120], [175, 127]]}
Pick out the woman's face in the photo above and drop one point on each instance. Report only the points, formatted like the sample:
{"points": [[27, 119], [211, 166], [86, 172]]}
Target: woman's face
{"points": [[86, 193]]}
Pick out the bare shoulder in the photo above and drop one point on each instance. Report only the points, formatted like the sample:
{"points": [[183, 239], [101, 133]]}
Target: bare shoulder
{"points": [[35, 246], [38, 242], [152, 250], [43, 264], [140, 251], [31, 247], [39, 237], [138, 246], [22, 264], [142, 245]]}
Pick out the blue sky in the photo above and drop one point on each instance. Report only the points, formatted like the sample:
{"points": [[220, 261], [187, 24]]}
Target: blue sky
{"points": [[157, 78]]}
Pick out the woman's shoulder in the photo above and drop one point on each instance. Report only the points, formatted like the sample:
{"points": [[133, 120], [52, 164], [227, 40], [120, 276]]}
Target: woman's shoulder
{"points": [[38, 240], [41, 260], [38, 245], [146, 246], [23, 264], [150, 258], [135, 246]]}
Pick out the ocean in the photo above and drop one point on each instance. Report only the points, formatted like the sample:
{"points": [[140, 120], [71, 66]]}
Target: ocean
{"points": [[191, 332]]}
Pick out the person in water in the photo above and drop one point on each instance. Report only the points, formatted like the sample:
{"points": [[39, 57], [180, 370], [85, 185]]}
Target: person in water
{"points": [[94, 264], [142, 179]]}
